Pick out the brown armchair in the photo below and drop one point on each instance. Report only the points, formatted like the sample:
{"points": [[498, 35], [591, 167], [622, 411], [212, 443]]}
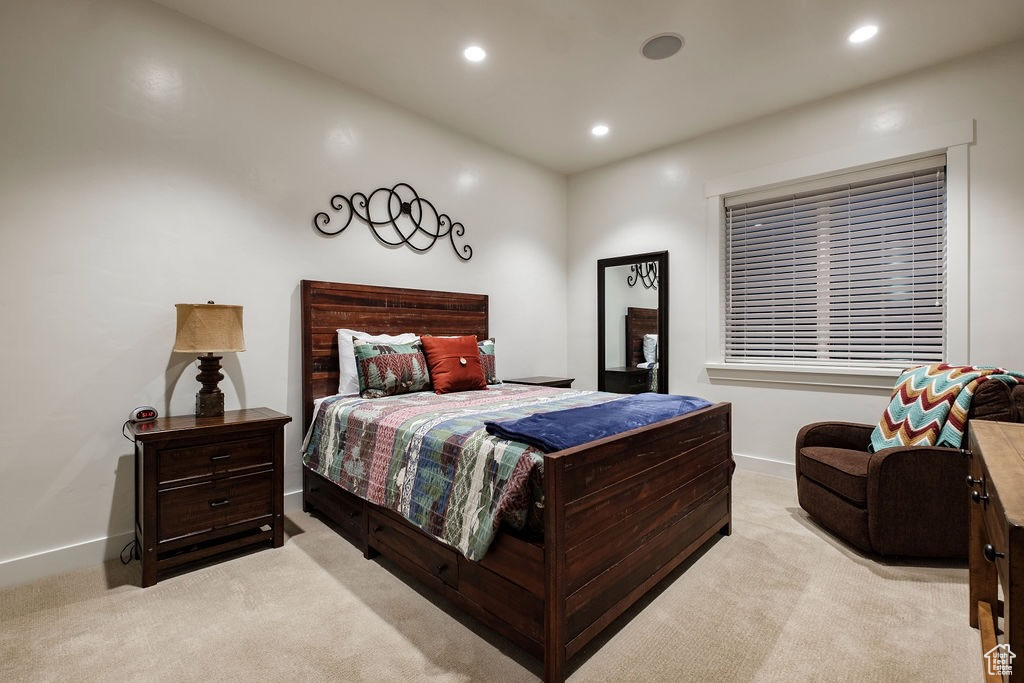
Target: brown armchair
{"points": [[908, 500]]}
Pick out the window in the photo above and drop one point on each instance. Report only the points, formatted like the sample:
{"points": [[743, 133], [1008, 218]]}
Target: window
{"points": [[847, 271]]}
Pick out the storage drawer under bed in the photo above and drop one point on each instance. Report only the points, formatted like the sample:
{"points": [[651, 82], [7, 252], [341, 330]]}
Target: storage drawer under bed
{"points": [[391, 536]]}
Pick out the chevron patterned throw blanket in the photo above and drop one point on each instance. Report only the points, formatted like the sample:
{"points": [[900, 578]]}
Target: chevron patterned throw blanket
{"points": [[930, 403]]}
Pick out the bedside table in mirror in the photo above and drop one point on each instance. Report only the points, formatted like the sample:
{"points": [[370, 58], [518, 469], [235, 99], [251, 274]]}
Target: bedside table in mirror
{"points": [[625, 380], [544, 381]]}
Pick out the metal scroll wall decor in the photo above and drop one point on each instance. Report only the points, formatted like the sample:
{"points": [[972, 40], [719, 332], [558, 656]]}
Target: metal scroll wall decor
{"points": [[397, 216], [644, 273]]}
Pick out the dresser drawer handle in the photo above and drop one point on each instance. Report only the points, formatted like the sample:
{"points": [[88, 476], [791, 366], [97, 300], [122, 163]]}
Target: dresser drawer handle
{"points": [[225, 456], [220, 503], [972, 482], [978, 497], [990, 553]]}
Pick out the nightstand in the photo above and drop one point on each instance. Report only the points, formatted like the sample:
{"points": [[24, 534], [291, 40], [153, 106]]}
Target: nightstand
{"points": [[626, 380], [206, 486], [544, 381]]}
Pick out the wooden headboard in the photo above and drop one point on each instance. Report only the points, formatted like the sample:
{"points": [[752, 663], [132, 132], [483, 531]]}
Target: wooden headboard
{"points": [[639, 321], [327, 306]]}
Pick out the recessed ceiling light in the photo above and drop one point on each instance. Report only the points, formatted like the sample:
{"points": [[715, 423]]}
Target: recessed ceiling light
{"points": [[600, 130], [474, 53], [866, 32], [662, 45]]}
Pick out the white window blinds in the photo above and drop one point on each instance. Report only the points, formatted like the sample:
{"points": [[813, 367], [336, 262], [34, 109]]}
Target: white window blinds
{"points": [[849, 271]]}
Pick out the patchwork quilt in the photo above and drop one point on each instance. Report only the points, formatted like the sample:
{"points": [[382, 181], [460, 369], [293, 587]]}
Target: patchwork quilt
{"points": [[429, 458], [930, 403]]}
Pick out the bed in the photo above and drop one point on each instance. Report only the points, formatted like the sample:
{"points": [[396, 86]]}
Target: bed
{"points": [[619, 513], [640, 323]]}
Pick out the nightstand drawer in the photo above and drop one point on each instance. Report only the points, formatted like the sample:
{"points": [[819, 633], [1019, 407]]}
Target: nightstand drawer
{"points": [[637, 382], [180, 464], [198, 508], [626, 380]]}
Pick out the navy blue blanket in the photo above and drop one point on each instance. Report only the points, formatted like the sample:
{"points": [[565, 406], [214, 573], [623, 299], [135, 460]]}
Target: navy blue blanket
{"points": [[561, 429]]}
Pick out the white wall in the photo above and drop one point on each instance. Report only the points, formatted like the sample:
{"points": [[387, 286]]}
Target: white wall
{"points": [[149, 160], [657, 201]]}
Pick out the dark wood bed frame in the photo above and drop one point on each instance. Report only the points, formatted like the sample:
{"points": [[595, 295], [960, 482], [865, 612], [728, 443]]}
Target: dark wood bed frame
{"points": [[620, 513]]}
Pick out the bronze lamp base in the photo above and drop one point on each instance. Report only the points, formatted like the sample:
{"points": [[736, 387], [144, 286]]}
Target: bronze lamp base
{"points": [[209, 399]]}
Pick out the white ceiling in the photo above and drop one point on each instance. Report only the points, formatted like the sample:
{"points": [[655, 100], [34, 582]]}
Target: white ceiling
{"points": [[557, 67]]}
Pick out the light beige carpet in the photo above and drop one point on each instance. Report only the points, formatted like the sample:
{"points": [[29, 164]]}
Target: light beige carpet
{"points": [[779, 600]]}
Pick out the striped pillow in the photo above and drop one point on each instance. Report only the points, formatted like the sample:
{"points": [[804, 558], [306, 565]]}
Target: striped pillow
{"points": [[487, 360]]}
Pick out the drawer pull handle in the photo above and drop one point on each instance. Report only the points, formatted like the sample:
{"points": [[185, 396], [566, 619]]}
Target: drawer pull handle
{"points": [[990, 553], [972, 482], [441, 569], [225, 456], [977, 497], [220, 503]]}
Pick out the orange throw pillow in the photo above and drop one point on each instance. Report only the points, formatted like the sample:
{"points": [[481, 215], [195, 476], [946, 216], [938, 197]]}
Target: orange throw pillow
{"points": [[454, 363]]}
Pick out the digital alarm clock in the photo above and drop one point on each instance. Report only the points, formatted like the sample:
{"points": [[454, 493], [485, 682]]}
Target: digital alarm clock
{"points": [[142, 414]]}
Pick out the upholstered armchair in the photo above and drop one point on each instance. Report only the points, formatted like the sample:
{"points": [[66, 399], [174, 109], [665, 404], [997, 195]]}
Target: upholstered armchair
{"points": [[905, 501]]}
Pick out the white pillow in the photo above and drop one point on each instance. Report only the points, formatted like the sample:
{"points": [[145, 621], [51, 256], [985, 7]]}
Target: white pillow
{"points": [[651, 348], [348, 382]]}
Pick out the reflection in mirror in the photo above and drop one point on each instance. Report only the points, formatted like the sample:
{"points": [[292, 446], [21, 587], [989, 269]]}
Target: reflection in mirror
{"points": [[632, 311], [622, 302]]}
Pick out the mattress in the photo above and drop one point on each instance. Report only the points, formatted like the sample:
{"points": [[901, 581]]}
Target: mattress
{"points": [[429, 458]]}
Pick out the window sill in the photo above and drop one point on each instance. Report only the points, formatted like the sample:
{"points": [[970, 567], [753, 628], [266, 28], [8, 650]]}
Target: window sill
{"points": [[881, 379]]}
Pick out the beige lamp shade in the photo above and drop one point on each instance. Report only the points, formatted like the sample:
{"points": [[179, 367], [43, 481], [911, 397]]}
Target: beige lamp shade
{"points": [[209, 328]]}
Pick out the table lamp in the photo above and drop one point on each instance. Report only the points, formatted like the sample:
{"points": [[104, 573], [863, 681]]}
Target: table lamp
{"points": [[209, 329]]}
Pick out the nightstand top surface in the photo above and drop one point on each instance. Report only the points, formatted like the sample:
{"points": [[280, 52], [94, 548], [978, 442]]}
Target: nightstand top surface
{"points": [[540, 379], [161, 426]]}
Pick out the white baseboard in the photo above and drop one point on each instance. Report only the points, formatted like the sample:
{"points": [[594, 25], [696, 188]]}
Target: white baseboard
{"points": [[86, 554], [775, 468], [48, 562], [89, 553], [293, 501]]}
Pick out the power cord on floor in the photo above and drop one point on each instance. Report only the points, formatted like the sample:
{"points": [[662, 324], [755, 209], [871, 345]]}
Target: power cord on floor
{"points": [[131, 551]]}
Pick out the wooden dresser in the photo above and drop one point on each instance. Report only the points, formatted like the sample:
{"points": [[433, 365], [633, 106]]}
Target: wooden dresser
{"points": [[996, 485], [206, 486]]}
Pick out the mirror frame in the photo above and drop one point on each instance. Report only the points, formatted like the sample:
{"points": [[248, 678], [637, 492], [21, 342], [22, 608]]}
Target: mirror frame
{"points": [[661, 258]]}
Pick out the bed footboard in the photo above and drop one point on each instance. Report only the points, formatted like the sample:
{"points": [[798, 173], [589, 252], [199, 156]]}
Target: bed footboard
{"points": [[622, 513]]}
